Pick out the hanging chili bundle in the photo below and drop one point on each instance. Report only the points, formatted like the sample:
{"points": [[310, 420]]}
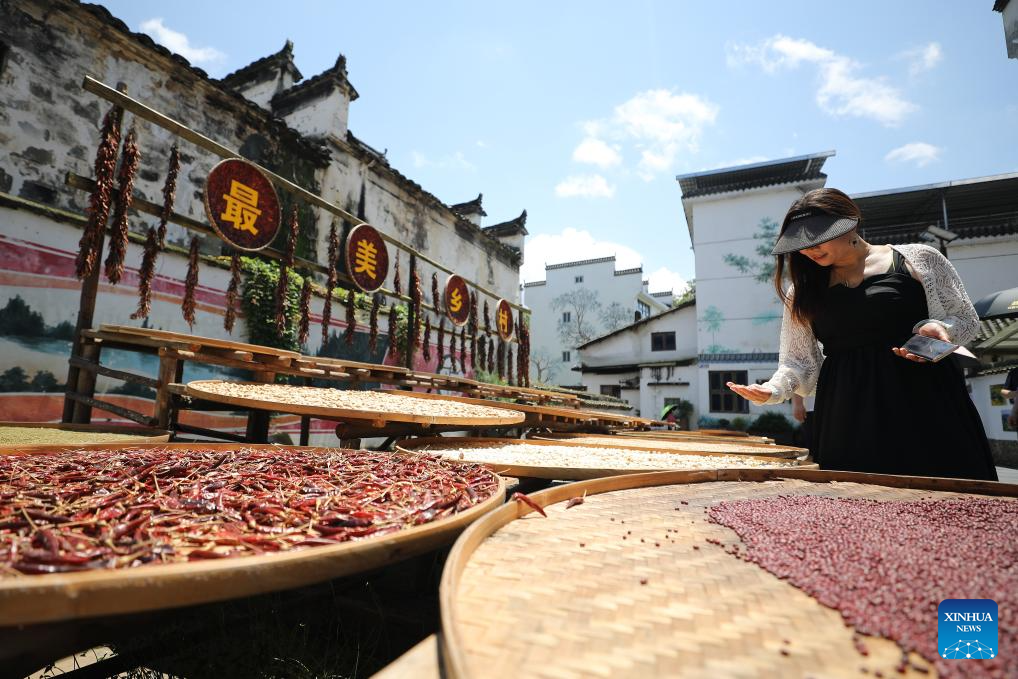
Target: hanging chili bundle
{"points": [[509, 362], [426, 342], [282, 287], [351, 317], [416, 297], [482, 352], [169, 194], [491, 356], [523, 352], [99, 202], [129, 159], [330, 282], [376, 303], [117, 509], [397, 282], [441, 341], [190, 283], [500, 359], [146, 274], [452, 348], [305, 311], [232, 293], [463, 349], [472, 326], [436, 299]]}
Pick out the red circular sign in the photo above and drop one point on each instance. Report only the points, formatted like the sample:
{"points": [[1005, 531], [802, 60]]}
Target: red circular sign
{"points": [[367, 258], [241, 204], [504, 319], [457, 300]]}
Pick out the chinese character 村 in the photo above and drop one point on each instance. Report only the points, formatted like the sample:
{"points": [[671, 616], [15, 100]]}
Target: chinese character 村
{"points": [[503, 322], [365, 259], [241, 207]]}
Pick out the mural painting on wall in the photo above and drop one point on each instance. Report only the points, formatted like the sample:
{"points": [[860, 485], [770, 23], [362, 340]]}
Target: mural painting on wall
{"points": [[576, 324], [761, 266], [712, 321]]}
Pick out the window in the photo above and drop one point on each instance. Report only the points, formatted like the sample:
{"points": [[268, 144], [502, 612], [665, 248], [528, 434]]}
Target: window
{"points": [[669, 401], [567, 316], [611, 390], [723, 399], [642, 308], [662, 341], [579, 279], [565, 356]]}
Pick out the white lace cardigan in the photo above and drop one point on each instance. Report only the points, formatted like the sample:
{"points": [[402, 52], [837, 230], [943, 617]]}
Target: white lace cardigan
{"points": [[801, 354]]}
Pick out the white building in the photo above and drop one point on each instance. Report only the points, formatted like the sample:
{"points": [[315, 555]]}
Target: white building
{"points": [[1009, 12], [650, 363], [578, 301]]}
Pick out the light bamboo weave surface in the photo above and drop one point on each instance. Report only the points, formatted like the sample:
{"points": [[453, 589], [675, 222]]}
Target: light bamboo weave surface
{"points": [[531, 601]]}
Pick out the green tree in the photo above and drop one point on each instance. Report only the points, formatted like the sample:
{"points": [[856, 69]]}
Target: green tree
{"points": [[17, 318], [46, 381], [686, 295], [762, 266], [14, 379]]}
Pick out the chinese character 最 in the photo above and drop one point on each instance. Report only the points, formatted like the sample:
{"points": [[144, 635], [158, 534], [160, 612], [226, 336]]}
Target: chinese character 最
{"points": [[241, 207]]}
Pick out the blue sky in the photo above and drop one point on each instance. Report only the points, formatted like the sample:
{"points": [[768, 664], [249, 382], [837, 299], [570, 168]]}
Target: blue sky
{"points": [[584, 112]]}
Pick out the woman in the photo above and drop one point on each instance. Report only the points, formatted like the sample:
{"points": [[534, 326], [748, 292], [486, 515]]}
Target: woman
{"points": [[879, 408]]}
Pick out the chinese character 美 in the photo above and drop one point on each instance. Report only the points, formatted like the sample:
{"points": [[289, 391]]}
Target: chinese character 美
{"points": [[503, 321], [365, 259], [241, 207], [455, 300]]}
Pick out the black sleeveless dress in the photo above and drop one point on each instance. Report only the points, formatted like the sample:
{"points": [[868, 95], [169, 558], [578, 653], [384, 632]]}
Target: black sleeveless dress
{"points": [[878, 413]]}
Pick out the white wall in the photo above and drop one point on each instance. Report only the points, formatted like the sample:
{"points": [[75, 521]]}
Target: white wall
{"points": [[985, 264], [993, 416]]}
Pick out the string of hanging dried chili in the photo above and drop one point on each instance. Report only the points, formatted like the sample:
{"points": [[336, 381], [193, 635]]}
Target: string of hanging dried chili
{"points": [[305, 311], [146, 274], [190, 283], [426, 342], [482, 352], [436, 299], [452, 348], [441, 341], [397, 282], [330, 282], [112, 509], [393, 342], [491, 356], [232, 293], [169, 194], [130, 157], [99, 202], [487, 319], [376, 303], [416, 296], [472, 326], [283, 285], [463, 349], [501, 359], [509, 363], [351, 318]]}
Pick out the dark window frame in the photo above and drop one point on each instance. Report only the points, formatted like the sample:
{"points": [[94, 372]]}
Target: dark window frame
{"points": [[662, 341], [721, 398]]}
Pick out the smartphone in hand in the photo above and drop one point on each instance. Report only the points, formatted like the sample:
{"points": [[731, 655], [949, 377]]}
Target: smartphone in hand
{"points": [[930, 348]]}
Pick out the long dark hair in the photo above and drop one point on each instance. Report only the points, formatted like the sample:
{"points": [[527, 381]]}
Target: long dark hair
{"points": [[809, 278]]}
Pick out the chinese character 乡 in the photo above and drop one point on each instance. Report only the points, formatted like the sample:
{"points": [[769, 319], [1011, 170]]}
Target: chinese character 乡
{"points": [[455, 300], [241, 207], [365, 260], [503, 321]]}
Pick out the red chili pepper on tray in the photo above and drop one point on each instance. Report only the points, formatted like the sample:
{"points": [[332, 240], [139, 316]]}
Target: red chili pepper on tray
{"points": [[179, 505]]}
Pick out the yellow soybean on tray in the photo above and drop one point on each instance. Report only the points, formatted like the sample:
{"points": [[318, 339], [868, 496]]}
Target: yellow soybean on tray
{"points": [[569, 461], [627, 577]]}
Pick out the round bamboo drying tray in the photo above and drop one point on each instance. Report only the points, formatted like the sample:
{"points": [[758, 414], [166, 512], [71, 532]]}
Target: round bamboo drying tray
{"points": [[565, 473], [520, 597], [125, 435], [699, 434], [287, 399], [535, 413], [64, 596], [728, 447], [184, 338]]}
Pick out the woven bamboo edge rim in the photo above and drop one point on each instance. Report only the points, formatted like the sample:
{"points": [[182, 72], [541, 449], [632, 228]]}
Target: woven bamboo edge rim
{"points": [[453, 658], [212, 342], [196, 389], [632, 439], [67, 596], [571, 473], [138, 435]]}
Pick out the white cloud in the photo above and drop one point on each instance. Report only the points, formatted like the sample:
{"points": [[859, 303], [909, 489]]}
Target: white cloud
{"points": [[656, 124], [920, 153], [665, 279], [921, 59], [842, 91], [456, 161], [586, 186], [595, 152], [179, 43]]}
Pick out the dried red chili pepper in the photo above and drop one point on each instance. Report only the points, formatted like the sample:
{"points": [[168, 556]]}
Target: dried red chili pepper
{"points": [[525, 499], [99, 201], [509, 363], [330, 282], [491, 356], [452, 349], [393, 343], [130, 157], [426, 342], [463, 349], [436, 299], [283, 285], [190, 283], [472, 328], [232, 293], [351, 317], [441, 341], [397, 283], [305, 311], [482, 352], [169, 194], [500, 359], [376, 303], [146, 274], [487, 319], [416, 296]]}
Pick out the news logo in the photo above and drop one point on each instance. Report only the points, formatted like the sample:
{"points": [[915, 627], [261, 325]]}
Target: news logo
{"points": [[967, 629]]}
